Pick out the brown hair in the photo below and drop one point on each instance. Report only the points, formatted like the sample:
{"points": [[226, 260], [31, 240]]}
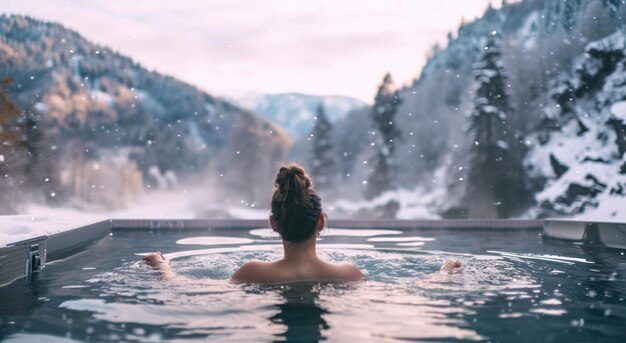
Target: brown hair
{"points": [[296, 207]]}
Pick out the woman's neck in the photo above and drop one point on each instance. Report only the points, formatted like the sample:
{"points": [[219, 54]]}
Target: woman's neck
{"points": [[300, 251]]}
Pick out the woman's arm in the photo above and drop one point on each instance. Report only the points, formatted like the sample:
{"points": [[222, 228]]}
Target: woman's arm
{"points": [[157, 261], [450, 266]]}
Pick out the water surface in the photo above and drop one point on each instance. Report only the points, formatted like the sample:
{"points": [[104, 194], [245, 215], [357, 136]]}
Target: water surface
{"points": [[514, 286]]}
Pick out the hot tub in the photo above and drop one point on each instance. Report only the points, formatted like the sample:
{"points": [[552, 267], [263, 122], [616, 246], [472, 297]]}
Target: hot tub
{"points": [[514, 286]]}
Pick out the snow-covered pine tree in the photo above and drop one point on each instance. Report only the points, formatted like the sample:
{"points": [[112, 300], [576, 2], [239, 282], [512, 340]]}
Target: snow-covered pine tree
{"points": [[571, 11], [495, 180], [552, 14], [384, 135], [323, 163], [31, 141], [613, 4]]}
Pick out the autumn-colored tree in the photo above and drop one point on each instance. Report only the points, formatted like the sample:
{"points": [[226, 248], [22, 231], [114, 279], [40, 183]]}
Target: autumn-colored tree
{"points": [[9, 132], [10, 145]]}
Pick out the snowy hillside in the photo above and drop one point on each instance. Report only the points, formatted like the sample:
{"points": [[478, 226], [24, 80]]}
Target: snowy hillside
{"points": [[573, 167], [94, 128], [294, 111], [582, 155]]}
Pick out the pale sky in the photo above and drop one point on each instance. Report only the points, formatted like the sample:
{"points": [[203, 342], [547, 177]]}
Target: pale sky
{"points": [[324, 47]]}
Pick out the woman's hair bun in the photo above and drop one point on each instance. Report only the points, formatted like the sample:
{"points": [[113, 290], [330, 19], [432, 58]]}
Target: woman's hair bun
{"points": [[292, 171], [296, 207]]}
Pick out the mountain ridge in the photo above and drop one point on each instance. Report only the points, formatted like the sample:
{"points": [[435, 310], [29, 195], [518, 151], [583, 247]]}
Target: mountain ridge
{"points": [[295, 111], [92, 103]]}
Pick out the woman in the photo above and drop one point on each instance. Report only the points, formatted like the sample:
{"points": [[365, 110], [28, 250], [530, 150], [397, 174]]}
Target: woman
{"points": [[298, 218]]}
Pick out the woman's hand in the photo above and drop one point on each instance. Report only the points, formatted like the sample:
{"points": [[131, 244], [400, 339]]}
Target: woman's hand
{"points": [[155, 260], [450, 266]]}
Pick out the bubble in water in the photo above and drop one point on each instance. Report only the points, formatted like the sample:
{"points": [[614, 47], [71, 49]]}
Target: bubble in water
{"points": [[139, 331], [578, 322]]}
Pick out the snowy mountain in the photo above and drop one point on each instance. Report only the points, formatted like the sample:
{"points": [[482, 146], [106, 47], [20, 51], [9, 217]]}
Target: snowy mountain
{"points": [[90, 114], [100, 129], [552, 51], [295, 111]]}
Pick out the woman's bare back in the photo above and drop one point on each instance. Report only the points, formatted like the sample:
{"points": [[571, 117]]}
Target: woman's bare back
{"points": [[292, 271]]}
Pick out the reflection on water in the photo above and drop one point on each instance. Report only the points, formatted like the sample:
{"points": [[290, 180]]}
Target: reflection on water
{"points": [[213, 240], [299, 313], [544, 257], [401, 239], [506, 292]]}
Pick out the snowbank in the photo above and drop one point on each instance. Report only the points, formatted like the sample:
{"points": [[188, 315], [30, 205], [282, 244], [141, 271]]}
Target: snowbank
{"points": [[618, 110], [37, 220], [413, 203], [20, 227]]}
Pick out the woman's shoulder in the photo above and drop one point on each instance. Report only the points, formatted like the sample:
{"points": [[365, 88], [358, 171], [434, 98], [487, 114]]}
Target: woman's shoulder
{"points": [[269, 272], [251, 271], [347, 271]]}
